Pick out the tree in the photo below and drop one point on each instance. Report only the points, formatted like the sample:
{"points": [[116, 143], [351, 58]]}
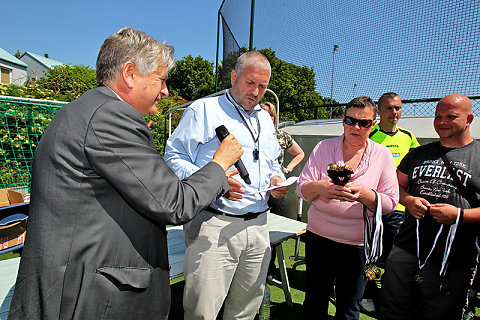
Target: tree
{"points": [[17, 54], [68, 82], [193, 78], [294, 86], [159, 125], [228, 64]]}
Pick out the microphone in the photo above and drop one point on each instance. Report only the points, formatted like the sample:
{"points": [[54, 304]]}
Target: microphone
{"points": [[222, 132]]}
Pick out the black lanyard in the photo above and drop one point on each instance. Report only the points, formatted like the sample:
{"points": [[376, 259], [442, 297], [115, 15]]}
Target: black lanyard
{"points": [[255, 139]]}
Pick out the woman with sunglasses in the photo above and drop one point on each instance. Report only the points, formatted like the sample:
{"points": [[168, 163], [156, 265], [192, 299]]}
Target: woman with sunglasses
{"points": [[334, 244]]}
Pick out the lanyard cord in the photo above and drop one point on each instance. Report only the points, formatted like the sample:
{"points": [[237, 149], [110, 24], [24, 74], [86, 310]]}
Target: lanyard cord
{"points": [[373, 232], [448, 244], [255, 140]]}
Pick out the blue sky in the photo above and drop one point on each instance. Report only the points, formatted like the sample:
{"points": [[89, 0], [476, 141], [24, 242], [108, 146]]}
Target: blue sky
{"points": [[73, 31], [417, 48]]}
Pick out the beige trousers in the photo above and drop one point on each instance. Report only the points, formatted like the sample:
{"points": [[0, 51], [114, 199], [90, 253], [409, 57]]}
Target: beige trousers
{"points": [[226, 259]]}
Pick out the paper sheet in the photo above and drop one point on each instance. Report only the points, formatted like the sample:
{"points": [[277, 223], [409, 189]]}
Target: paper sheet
{"points": [[285, 183]]}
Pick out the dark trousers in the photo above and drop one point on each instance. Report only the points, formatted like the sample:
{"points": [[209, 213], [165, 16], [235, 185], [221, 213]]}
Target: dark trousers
{"points": [[391, 223], [331, 263], [402, 298]]}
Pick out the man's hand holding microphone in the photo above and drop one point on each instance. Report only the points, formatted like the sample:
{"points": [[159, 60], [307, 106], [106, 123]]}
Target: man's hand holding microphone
{"points": [[228, 153]]}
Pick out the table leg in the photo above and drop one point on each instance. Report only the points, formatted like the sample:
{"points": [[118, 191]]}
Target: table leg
{"points": [[283, 283]]}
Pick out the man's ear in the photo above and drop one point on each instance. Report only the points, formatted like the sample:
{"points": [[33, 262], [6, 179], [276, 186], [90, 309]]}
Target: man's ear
{"points": [[469, 118], [233, 76], [129, 72]]}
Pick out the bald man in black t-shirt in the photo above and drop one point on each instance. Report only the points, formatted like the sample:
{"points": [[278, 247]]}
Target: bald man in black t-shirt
{"points": [[430, 268]]}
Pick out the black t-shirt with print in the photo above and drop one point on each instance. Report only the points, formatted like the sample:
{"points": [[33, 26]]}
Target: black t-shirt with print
{"points": [[429, 179]]}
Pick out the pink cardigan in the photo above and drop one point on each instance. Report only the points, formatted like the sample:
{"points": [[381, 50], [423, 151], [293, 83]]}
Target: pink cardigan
{"points": [[343, 221]]}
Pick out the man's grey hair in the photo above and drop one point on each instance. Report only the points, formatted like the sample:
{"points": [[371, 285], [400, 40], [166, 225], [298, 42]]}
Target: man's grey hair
{"points": [[252, 58], [129, 44]]}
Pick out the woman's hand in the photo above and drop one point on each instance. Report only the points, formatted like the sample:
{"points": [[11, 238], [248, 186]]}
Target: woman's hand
{"points": [[342, 193], [360, 193], [311, 190], [327, 189]]}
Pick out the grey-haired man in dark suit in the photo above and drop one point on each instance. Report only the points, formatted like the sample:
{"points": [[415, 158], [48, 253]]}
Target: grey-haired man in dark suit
{"points": [[101, 196]]}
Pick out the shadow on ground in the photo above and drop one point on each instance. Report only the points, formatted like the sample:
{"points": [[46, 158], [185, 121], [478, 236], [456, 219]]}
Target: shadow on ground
{"points": [[278, 310]]}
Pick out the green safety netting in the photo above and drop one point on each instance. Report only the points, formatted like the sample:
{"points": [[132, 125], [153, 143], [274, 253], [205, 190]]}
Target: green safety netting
{"points": [[22, 122]]}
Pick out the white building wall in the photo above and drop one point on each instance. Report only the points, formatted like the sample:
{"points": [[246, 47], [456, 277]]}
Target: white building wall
{"points": [[35, 70], [18, 74]]}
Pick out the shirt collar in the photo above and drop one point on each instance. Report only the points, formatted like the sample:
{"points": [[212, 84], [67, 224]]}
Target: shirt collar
{"points": [[115, 93]]}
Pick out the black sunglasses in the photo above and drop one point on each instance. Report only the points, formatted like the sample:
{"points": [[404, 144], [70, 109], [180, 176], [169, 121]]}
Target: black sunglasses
{"points": [[365, 123]]}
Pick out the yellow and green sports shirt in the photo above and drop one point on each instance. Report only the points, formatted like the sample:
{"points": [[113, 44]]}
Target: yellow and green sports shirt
{"points": [[399, 143]]}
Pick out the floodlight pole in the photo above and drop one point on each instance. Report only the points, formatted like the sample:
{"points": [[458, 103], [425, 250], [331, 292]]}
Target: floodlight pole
{"points": [[252, 18], [335, 48]]}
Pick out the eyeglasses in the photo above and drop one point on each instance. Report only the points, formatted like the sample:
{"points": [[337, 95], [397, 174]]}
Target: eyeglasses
{"points": [[365, 123]]}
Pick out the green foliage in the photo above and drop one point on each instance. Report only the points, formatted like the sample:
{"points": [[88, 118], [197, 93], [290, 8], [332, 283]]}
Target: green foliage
{"points": [[68, 82], [193, 78], [17, 54], [61, 83], [228, 64], [159, 126], [294, 86], [219, 72], [30, 90], [21, 125]]}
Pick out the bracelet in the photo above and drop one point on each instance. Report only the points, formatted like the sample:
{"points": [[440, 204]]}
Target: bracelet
{"points": [[460, 219]]}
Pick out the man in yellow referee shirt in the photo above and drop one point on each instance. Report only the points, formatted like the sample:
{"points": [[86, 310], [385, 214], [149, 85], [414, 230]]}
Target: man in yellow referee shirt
{"points": [[399, 141]]}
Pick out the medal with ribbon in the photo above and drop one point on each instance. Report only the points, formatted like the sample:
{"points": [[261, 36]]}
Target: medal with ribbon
{"points": [[372, 234]]}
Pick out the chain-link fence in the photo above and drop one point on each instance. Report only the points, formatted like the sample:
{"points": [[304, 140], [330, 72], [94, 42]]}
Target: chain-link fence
{"points": [[410, 108], [416, 48]]}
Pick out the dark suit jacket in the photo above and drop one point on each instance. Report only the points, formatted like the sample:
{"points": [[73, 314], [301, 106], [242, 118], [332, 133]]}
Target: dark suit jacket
{"points": [[101, 196]]}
